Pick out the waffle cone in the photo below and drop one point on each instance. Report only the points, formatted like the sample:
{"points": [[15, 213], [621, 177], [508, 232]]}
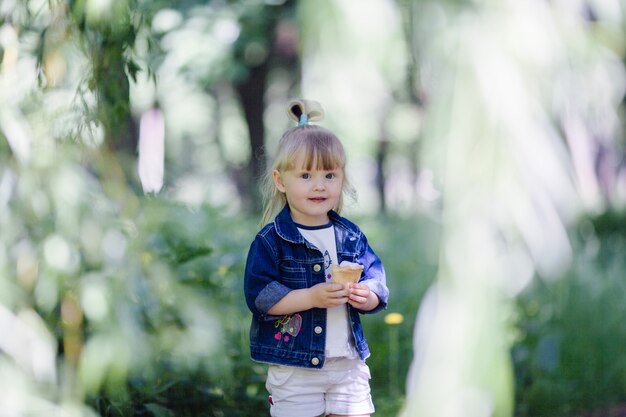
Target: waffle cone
{"points": [[347, 274]]}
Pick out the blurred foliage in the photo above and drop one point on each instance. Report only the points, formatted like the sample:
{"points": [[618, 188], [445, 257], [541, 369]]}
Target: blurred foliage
{"points": [[205, 253], [116, 304], [569, 352], [138, 314]]}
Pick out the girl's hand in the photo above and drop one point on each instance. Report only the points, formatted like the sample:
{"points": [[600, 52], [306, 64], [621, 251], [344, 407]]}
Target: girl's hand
{"points": [[326, 295], [323, 295], [362, 298]]}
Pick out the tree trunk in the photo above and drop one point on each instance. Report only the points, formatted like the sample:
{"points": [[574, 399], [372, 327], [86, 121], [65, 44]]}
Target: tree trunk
{"points": [[251, 92]]}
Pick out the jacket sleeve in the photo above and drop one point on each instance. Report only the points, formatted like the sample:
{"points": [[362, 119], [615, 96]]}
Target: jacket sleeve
{"points": [[262, 286], [374, 276]]}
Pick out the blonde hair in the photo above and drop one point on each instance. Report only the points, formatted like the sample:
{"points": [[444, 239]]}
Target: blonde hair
{"points": [[319, 146]]}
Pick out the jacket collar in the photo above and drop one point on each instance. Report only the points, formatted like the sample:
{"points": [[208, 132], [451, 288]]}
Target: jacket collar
{"points": [[287, 229]]}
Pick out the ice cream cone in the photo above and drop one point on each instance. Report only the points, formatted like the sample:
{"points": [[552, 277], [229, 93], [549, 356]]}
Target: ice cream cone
{"points": [[346, 274]]}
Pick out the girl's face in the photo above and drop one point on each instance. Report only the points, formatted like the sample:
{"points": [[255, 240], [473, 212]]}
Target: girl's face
{"points": [[312, 193]]}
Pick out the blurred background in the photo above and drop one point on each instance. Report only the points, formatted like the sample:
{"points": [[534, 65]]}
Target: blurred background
{"points": [[485, 139]]}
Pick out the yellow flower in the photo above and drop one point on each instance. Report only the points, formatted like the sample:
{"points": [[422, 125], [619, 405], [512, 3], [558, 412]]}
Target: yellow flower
{"points": [[146, 258], [394, 318]]}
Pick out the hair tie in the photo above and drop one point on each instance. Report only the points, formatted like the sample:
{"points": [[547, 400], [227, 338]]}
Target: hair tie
{"points": [[304, 111]]}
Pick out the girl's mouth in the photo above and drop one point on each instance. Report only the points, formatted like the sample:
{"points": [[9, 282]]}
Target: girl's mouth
{"points": [[318, 199]]}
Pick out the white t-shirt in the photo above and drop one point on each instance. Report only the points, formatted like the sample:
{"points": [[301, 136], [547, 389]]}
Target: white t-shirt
{"points": [[339, 339]]}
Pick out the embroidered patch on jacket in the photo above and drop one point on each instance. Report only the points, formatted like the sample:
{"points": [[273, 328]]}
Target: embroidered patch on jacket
{"points": [[289, 324]]}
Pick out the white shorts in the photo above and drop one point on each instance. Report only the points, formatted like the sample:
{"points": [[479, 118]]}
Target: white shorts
{"points": [[340, 387]]}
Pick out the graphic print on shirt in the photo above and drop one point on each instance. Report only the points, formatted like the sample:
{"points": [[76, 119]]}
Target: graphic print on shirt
{"points": [[327, 262]]}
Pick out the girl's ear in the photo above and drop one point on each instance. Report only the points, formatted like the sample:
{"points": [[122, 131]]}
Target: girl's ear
{"points": [[278, 181]]}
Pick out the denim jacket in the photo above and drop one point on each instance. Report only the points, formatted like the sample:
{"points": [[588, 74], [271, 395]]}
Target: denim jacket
{"points": [[281, 260]]}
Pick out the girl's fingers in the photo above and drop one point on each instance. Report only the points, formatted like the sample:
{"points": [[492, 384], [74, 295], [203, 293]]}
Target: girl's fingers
{"points": [[361, 290], [338, 290], [359, 298]]}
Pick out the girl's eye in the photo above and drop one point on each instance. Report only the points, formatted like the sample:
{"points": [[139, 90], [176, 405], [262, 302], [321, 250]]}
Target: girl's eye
{"points": [[306, 175], [330, 175]]}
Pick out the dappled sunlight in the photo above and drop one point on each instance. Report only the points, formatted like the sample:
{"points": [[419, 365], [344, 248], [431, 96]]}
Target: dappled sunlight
{"points": [[485, 140], [366, 63], [455, 361], [510, 189], [95, 298], [31, 345]]}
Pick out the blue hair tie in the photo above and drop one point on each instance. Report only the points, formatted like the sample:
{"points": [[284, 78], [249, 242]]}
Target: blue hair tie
{"points": [[304, 119]]}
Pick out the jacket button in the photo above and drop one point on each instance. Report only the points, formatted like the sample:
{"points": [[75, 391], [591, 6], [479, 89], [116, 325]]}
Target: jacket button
{"points": [[318, 329], [317, 268], [315, 361]]}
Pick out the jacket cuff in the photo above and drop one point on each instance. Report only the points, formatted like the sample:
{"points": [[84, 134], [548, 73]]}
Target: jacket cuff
{"points": [[270, 295]]}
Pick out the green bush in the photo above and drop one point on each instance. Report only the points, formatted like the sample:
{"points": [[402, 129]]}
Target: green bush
{"points": [[570, 356]]}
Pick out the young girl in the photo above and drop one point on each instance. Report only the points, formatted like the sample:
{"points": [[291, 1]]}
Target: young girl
{"points": [[305, 326]]}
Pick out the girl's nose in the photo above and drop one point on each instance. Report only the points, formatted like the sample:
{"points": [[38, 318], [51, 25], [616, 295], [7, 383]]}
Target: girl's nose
{"points": [[319, 184]]}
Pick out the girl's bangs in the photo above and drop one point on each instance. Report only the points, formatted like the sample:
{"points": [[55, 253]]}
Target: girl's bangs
{"points": [[315, 149], [323, 158], [322, 155]]}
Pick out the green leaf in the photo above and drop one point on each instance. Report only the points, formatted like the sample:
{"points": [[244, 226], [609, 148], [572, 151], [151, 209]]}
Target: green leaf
{"points": [[158, 410], [133, 68]]}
